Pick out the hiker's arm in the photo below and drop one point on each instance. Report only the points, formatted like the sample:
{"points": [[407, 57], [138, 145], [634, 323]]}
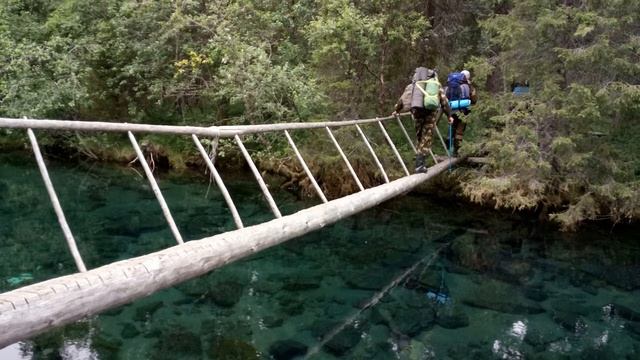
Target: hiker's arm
{"points": [[473, 95], [444, 102], [398, 107]]}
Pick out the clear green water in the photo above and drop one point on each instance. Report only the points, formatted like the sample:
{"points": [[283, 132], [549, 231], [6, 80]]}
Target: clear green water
{"points": [[479, 285]]}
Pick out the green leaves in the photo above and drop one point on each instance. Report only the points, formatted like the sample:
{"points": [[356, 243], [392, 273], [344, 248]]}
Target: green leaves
{"points": [[576, 131]]}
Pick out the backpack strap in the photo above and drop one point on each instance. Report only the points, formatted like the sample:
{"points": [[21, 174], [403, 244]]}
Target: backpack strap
{"points": [[424, 92]]}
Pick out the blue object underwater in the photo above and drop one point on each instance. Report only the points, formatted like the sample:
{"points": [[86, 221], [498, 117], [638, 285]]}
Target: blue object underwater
{"points": [[17, 280], [438, 297]]}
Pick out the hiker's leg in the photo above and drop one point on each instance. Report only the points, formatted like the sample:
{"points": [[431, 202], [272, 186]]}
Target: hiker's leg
{"points": [[422, 135], [459, 127], [418, 118], [424, 143]]}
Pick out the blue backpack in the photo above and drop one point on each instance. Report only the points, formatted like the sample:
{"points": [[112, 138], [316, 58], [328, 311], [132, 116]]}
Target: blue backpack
{"points": [[458, 94]]}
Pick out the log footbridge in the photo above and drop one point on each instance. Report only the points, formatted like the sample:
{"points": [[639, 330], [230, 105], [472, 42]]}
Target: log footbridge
{"points": [[33, 309]]}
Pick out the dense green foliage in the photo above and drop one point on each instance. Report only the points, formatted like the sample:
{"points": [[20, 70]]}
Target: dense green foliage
{"points": [[571, 147], [568, 149]]}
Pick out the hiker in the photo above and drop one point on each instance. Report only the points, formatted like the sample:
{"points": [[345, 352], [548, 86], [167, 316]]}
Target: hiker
{"points": [[427, 97], [461, 95]]}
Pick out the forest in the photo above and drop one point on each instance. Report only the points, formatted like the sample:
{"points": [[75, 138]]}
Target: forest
{"points": [[567, 151]]}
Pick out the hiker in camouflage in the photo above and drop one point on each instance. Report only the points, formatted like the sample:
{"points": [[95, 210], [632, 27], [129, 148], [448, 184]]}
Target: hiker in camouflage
{"points": [[427, 97]]}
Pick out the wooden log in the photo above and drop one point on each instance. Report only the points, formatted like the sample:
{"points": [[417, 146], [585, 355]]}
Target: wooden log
{"points": [[71, 241], [345, 159], [212, 131], [36, 308], [373, 153], [156, 189], [305, 167]]}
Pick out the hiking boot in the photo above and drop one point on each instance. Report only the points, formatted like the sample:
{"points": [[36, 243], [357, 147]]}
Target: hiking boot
{"points": [[420, 167]]}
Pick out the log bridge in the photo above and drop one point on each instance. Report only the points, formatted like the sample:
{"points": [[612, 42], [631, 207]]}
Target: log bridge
{"points": [[34, 309]]}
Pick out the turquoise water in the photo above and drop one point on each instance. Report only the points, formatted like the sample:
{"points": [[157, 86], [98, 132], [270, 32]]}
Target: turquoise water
{"points": [[411, 279]]}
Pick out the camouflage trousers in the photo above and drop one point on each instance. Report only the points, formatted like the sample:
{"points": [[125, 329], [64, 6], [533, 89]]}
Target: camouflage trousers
{"points": [[424, 121], [458, 129]]}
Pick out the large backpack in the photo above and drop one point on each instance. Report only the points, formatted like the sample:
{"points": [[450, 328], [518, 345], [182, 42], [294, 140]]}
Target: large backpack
{"points": [[431, 90], [457, 87], [458, 91], [406, 97]]}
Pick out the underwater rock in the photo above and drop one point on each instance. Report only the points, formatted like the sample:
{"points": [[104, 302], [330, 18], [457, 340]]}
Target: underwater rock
{"points": [[599, 353], [226, 293], [404, 245], [301, 282], [374, 279], [539, 340], [223, 348], [344, 341], [195, 288], [130, 223], [452, 317], [468, 252], [380, 335], [239, 328], [576, 307], [634, 329], [626, 313], [536, 293], [290, 305], [472, 351], [152, 333], [414, 350], [333, 310], [320, 328], [129, 331], [177, 343], [366, 256], [514, 271], [113, 247], [570, 314], [113, 312], [407, 321], [146, 311], [430, 279], [184, 301], [411, 298], [267, 287], [287, 349], [623, 277], [590, 289], [271, 321], [501, 297], [571, 322], [106, 347]]}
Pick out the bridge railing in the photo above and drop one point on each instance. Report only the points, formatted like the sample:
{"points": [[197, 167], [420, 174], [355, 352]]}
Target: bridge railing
{"points": [[29, 310], [212, 131]]}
